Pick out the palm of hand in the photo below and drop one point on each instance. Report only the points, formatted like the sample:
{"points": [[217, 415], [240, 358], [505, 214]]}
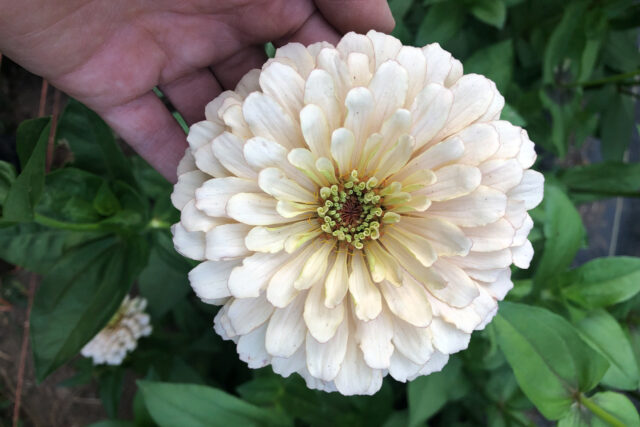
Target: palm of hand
{"points": [[110, 55]]}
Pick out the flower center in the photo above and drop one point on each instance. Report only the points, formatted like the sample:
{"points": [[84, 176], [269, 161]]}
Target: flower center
{"points": [[352, 210]]}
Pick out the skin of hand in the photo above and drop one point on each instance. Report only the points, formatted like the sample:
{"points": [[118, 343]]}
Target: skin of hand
{"points": [[110, 54]]}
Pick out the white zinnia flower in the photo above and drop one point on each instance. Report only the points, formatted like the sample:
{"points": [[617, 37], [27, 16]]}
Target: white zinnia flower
{"points": [[121, 334], [357, 210]]}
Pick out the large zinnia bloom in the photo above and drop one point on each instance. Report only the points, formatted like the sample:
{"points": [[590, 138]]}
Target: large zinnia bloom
{"points": [[357, 209]]}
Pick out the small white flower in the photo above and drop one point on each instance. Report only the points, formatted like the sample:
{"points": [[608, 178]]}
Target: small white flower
{"points": [[121, 334], [357, 209]]}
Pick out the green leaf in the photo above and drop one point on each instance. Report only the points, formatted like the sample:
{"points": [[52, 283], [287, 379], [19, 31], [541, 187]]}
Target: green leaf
{"points": [[621, 50], [93, 143], [78, 297], [441, 23], [492, 12], [113, 423], [150, 182], [563, 231], [25, 192], [494, 61], [7, 177], [602, 282], [511, 115], [609, 179], [603, 409], [110, 389], [190, 405], [428, 394], [617, 127], [550, 361], [603, 333]]}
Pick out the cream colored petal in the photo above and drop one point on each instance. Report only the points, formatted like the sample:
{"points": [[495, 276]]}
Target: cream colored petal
{"points": [[315, 268], [254, 209], [187, 163], [288, 209], [389, 87], [286, 330], [409, 302], [510, 138], [202, 133], [212, 197], [185, 188], [410, 263], [315, 130], [246, 314], [352, 42], [231, 114], [342, 145], [527, 155], [320, 90], [283, 84], [499, 288], [447, 338], [330, 61], [229, 151], [280, 291], [222, 325], [522, 232], [484, 260], [446, 238], [207, 162], [522, 255], [322, 321], [516, 213], [414, 62], [359, 69], [472, 96], [295, 241], [273, 181], [480, 143], [491, 237], [227, 241], [250, 82], [266, 118], [417, 245], [495, 108], [464, 318], [251, 349], [194, 219], [430, 110], [337, 282], [460, 290], [298, 55], [502, 175], [286, 366], [209, 279], [382, 265], [454, 74], [250, 278], [272, 239], [324, 359], [212, 108], [439, 63], [188, 244], [374, 339], [413, 342], [385, 47], [484, 206], [305, 161], [453, 181], [402, 369], [395, 158], [418, 180], [435, 157], [360, 105], [366, 297], [355, 376], [435, 363], [530, 189]]}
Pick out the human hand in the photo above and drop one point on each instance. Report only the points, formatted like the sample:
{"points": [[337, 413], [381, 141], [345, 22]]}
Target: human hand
{"points": [[110, 54]]}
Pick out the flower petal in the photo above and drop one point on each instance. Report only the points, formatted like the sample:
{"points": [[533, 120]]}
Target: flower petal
{"points": [[337, 282], [385, 47], [273, 181], [185, 188], [315, 267], [209, 279], [342, 144], [213, 195], [430, 111], [272, 239], [281, 290], [251, 349], [254, 209], [413, 61], [320, 91], [284, 85], [484, 206], [315, 130], [355, 376], [374, 338], [413, 342], [366, 297], [266, 118], [460, 290], [447, 338], [246, 314], [189, 244], [286, 330], [502, 175], [446, 238], [321, 320], [202, 133], [250, 278], [491, 237], [530, 189], [228, 149], [389, 87], [439, 63], [409, 302], [194, 219], [324, 359], [452, 182], [417, 245], [226, 241]]}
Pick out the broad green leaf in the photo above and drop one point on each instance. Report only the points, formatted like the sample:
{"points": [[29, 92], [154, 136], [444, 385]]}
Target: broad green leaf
{"points": [[621, 50], [492, 12], [190, 405], [113, 423], [150, 182], [441, 23], [93, 143], [603, 281], [78, 297], [428, 394], [37, 248], [399, 8], [605, 409], [607, 179], [603, 333], [110, 390], [548, 357], [565, 43], [564, 234], [494, 61], [26, 189], [617, 127], [7, 177]]}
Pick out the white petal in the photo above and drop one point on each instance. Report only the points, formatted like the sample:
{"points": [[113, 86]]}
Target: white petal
{"points": [[352, 42], [320, 90], [491, 237], [329, 60], [249, 279], [447, 338], [417, 245], [527, 155], [402, 369], [298, 55], [436, 156], [495, 108], [530, 189], [359, 69], [272, 239], [315, 268], [342, 144], [188, 244], [395, 158], [286, 366], [266, 118], [446, 238], [185, 188], [211, 109], [409, 302], [337, 282], [273, 181], [510, 138], [213, 195], [413, 342], [254, 209], [355, 377], [250, 82], [480, 143], [246, 314], [194, 219], [374, 338], [360, 105], [522, 255], [286, 330], [231, 114], [414, 62], [202, 133], [460, 290], [523, 231], [484, 206], [251, 349], [484, 260], [453, 181], [381, 264], [281, 291], [439, 63], [228, 149], [226, 241], [385, 47], [207, 162], [322, 321], [187, 163], [502, 175], [324, 359], [499, 288], [389, 87], [209, 279], [430, 111], [435, 363], [454, 74], [315, 130], [283, 84], [366, 297]]}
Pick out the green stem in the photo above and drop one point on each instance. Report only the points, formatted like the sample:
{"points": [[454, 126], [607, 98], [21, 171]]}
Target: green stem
{"points": [[158, 224], [601, 82], [599, 412], [50, 222]]}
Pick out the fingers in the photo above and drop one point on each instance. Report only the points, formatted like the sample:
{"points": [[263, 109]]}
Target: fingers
{"points": [[151, 130], [191, 93], [231, 70], [357, 15], [314, 29]]}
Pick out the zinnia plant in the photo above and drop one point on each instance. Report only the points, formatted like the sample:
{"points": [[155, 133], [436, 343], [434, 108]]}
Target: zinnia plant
{"points": [[357, 210]]}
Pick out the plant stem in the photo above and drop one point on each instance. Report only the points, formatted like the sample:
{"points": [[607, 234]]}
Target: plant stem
{"points": [[599, 412], [601, 82], [158, 224], [50, 222]]}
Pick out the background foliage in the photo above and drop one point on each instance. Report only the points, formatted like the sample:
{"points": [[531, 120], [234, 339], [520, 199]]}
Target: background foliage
{"points": [[564, 347]]}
